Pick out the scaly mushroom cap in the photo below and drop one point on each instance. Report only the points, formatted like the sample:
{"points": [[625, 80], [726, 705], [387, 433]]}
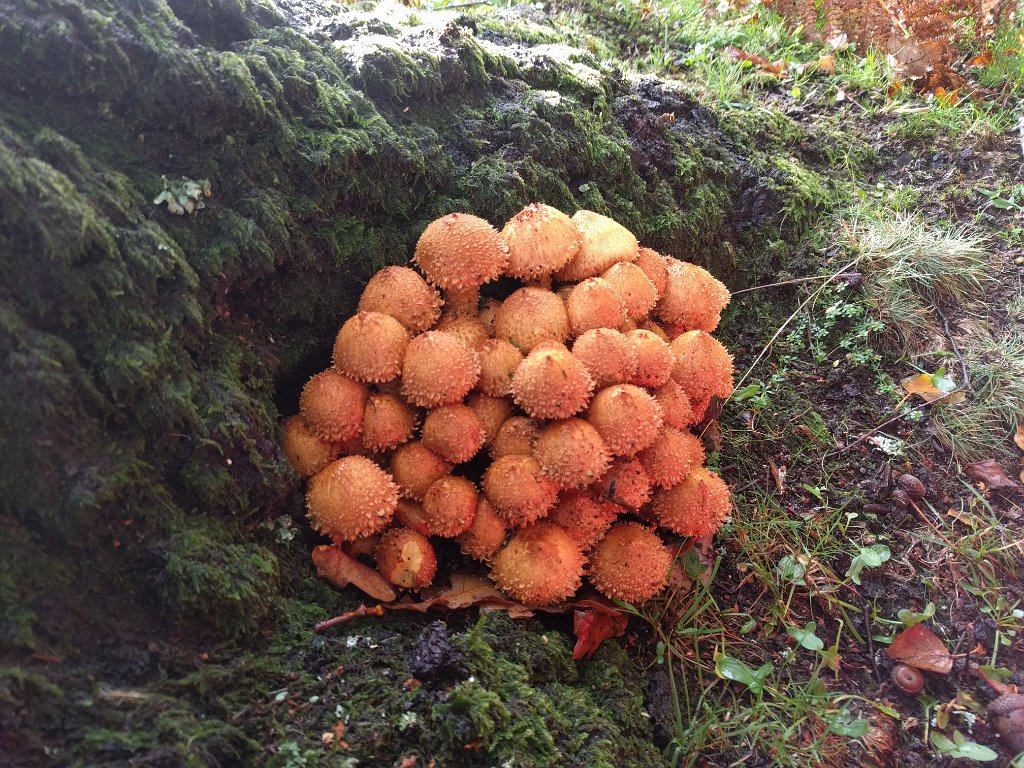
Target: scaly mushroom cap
{"points": [[487, 533], [551, 384], [403, 294], [695, 507], [625, 483], [539, 566], [306, 452], [657, 330], [469, 329], [461, 251], [634, 288], [449, 506], [486, 314], [594, 303], [585, 517], [627, 417], [607, 354], [492, 412], [693, 298], [405, 558], [438, 369], [703, 366], [332, 406], [602, 243], [516, 437], [675, 405], [409, 513], [498, 361], [672, 456], [572, 453], [654, 358], [518, 489], [454, 432], [351, 497], [541, 239], [529, 316], [415, 468], [370, 347], [653, 265], [387, 422], [630, 563]]}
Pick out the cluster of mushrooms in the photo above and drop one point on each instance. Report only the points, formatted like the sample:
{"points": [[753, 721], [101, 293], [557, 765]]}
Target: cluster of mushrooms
{"points": [[547, 433]]}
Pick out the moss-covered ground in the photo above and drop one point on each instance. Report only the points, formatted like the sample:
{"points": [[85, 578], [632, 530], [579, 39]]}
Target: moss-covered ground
{"points": [[156, 598]]}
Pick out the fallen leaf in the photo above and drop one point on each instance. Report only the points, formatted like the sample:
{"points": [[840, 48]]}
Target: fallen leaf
{"points": [[919, 647], [947, 98], [991, 474], [933, 387], [1018, 436], [778, 475], [768, 67], [827, 64], [592, 626], [982, 59], [894, 88]]}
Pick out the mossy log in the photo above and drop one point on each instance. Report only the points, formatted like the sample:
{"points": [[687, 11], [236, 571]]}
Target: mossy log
{"points": [[148, 356]]}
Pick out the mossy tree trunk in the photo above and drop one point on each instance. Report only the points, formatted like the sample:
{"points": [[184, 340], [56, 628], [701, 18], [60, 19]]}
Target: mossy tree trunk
{"points": [[147, 357]]}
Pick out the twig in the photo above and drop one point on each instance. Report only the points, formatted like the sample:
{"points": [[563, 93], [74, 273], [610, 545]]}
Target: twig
{"points": [[794, 281], [872, 431], [871, 640], [931, 525], [362, 610], [956, 349]]}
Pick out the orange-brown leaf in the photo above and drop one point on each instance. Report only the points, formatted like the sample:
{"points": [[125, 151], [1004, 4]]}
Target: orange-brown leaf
{"points": [[919, 647], [592, 626], [827, 64], [767, 66], [1018, 436], [991, 474]]}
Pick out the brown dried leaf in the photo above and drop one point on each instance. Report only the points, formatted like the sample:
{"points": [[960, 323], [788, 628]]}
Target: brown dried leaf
{"points": [[933, 387], [919, 647], [768, 67], [827, 64], [778, 475], [593, 622], [1018, 436], [991, 474]]}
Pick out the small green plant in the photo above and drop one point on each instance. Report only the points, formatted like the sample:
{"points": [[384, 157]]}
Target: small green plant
{"points": [[1008, 200], [867, 557], [959, 746], [184, 195]]}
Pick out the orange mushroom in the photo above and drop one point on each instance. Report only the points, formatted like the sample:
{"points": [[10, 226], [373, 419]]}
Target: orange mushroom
{"points": [[540, 565]]}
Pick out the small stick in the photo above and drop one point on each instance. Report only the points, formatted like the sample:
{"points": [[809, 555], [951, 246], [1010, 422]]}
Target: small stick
{"points": [[952, 343], [871, 640], [362, 610]]}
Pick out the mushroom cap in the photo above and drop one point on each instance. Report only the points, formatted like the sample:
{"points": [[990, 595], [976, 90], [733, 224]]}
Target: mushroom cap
{"points": [[306, 452], [498, 361], [415, 468], [332, 406], [516, 437], [594, 303], [636, 290], [572, 453], [529, 316], [603, 242], [460, 251], [630, 563], [671, 457], [654, 358], [492, 412], [654, 266], [350, 498], [695, 507], [454, 432], [438, 369], [540, 565], [675, 405], [487, 533], [584, 516], [370, 347], [402, 293], [469, 329], [540, 239], [608, 355], [405, 558], [387, 422], [518, 489], [625, 483], [703, 366], [409, 513], [551, 384], [449, 506], [627, 417], [693, 298]]}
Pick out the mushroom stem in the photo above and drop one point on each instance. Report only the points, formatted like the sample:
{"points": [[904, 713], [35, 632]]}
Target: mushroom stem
{"points": [[462, 302], [541, 281], [341, 570]]}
